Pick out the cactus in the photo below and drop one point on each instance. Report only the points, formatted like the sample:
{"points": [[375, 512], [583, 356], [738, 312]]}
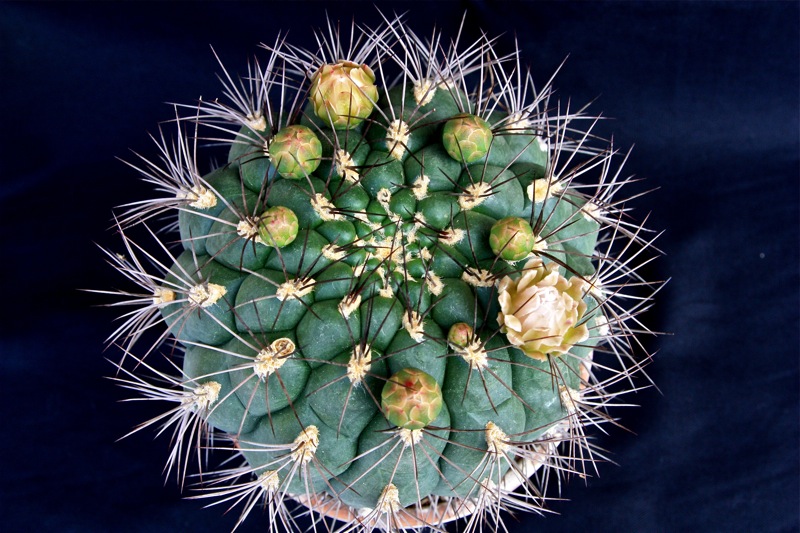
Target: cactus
{"points": [[396, 305]]}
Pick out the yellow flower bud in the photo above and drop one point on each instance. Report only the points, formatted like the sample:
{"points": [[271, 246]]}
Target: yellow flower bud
{"points": [[343, 94]]}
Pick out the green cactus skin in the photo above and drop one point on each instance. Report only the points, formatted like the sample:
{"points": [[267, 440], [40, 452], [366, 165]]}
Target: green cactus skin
{"points": [[348, 311]]}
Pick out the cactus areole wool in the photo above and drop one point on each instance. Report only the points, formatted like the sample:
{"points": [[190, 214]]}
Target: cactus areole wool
{"points": [[406, 297]]}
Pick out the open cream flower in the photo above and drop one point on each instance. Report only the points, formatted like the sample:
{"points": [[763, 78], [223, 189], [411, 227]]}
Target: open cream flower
{"points": [[540, 311]]}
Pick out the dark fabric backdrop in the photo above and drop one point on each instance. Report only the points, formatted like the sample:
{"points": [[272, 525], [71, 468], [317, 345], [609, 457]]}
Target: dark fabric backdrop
{"points": [[708, 92]]}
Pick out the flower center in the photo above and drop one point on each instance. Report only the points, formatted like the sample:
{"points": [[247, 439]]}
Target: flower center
{"points": [[543, 310]]}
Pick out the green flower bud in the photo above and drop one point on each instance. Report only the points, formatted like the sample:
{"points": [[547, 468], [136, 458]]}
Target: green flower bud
{"points": [[460, 335], [411, 399], [467, 138], [343, 94], [278, 226], [295, 151], [512, 238]]}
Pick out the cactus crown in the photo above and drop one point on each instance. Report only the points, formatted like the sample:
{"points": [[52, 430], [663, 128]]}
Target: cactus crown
{"points": [[395, 302]]}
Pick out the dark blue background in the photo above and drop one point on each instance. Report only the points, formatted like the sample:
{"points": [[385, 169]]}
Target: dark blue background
{"points": [[707, 91]]}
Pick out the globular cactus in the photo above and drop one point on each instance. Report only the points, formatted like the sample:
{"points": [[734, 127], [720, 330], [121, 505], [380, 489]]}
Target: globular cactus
{"points": [[395, 303]]}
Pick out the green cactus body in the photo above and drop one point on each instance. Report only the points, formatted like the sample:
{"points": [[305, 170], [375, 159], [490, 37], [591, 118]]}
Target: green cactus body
{"points": [[395, 305]]}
